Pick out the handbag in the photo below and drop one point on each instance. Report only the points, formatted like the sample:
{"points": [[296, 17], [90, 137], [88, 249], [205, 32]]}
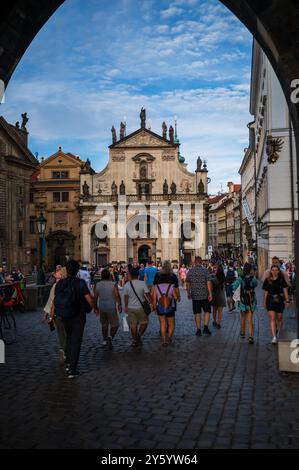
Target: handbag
{"points": [[145, 305], [125, 324]]}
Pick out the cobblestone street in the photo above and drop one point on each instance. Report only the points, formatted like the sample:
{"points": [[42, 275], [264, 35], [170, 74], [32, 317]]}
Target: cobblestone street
{"points": [[216, 392]]}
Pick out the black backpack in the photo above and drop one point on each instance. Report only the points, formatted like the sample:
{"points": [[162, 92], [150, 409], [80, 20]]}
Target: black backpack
{"points": [[67, 300], [247, 291], [230, 276]]}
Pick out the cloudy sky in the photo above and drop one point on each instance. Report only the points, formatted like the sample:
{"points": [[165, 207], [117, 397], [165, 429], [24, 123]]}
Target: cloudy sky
{"points": [[97, 61]]}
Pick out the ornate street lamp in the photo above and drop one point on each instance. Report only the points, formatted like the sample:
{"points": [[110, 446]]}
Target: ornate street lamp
{"points": [[41, 224]]}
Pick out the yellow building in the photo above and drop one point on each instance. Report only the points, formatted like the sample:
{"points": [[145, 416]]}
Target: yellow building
{"points": [[55, 191]]}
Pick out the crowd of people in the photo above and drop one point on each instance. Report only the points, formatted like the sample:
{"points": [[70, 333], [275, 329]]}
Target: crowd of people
{"points": [[137, 291], [15, 275]]}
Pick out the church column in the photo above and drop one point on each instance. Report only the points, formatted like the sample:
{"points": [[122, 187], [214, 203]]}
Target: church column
{"points": [[202, 230], [85, 241]]}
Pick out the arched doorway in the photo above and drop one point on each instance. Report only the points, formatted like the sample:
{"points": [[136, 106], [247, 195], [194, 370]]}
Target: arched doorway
{"points": [[144, 253], [60, 248], [60, 256]]}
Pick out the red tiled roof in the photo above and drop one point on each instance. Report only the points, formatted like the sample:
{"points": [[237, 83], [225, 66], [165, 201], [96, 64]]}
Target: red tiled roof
{"points": [[214, 199]]}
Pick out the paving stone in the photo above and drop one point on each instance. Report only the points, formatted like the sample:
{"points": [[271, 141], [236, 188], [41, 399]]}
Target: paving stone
{"points": [[200, 393]]}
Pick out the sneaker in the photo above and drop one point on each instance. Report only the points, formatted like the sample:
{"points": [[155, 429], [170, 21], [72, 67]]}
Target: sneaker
{"points": [[104, 343], [274, 340], [109, 343], [134, 344], [198, 333], [218, 326], [251, 340], [72, 375], [214, 324], [67, 368], [242, 335], [206, 331]]}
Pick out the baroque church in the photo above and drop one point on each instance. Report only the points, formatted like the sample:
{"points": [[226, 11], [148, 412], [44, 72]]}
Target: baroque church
{"points": [[145, 204]]}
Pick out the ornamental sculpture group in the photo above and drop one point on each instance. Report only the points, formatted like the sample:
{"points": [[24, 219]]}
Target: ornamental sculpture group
{"points": [[122, 132]]}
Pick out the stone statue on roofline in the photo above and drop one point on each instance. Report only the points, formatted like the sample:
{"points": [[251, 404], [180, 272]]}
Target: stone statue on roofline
{"points": [[114, 138], [25, 120], [164, 130], [143, 118], [122, 130]]}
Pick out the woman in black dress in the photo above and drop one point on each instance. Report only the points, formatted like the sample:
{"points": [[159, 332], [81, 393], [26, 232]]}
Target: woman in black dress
{"points": [[275, 299]]}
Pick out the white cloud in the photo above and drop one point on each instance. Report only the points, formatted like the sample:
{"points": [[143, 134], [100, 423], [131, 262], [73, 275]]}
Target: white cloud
{"points": [[171, 11]]}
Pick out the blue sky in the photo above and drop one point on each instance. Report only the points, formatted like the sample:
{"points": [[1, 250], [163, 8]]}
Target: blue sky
{"points": [[97, 61]]}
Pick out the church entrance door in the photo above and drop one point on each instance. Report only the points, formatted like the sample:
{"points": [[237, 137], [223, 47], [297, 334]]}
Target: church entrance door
{"points": [[144, 253]]}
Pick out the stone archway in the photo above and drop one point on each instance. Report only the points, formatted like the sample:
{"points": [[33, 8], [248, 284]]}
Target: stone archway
{"points": [[60, 247]]}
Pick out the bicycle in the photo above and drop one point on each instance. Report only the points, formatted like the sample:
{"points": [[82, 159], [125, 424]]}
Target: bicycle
{"points": [[8, 326]]}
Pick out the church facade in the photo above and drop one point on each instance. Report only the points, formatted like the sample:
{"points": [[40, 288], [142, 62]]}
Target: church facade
{"points": [[145, 204]]}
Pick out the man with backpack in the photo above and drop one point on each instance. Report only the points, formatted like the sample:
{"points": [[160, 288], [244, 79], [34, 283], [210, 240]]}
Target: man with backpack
{"points": [[71, 303], [230, 279]]}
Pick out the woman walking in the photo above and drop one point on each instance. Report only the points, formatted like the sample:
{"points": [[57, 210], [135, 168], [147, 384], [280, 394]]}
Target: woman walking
{"points": [[106, 298], [219, 300], [165, 293], [53, 320], [276, 296], [183, 275], [248, 303]]}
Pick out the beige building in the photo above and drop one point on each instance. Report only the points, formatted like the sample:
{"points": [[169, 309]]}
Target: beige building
{"points": [[272, 157], [225, 222], [16, 166], [55, 191], [214, 203], [147, 199]]}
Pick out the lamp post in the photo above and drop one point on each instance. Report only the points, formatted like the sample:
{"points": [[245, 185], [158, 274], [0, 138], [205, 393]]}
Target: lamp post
{"points": [[41, 224]]}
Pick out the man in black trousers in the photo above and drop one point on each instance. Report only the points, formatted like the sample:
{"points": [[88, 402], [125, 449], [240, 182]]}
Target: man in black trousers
{"points": [[72, 301]]}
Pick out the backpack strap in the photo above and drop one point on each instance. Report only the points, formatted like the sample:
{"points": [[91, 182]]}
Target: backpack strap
{"points": [[167, 292], [141, 303]]}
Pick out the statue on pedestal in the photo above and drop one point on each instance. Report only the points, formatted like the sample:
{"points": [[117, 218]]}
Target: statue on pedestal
{"points": [[25, 119], [171, 134], [199, 165], [143, 118], [85, 188], [165, 188], [114, 189], [164, 130], [122, 189], [122, 131], [173, 188], [201, 187], [114, 138]]}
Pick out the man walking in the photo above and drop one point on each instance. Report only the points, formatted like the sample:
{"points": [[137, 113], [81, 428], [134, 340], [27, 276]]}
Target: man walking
{"points": [[71, 303], [200, 289], [150, 273]]}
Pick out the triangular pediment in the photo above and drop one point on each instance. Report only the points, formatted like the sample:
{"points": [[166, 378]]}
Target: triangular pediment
{"points": [[71, 160], [143, 138]]}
